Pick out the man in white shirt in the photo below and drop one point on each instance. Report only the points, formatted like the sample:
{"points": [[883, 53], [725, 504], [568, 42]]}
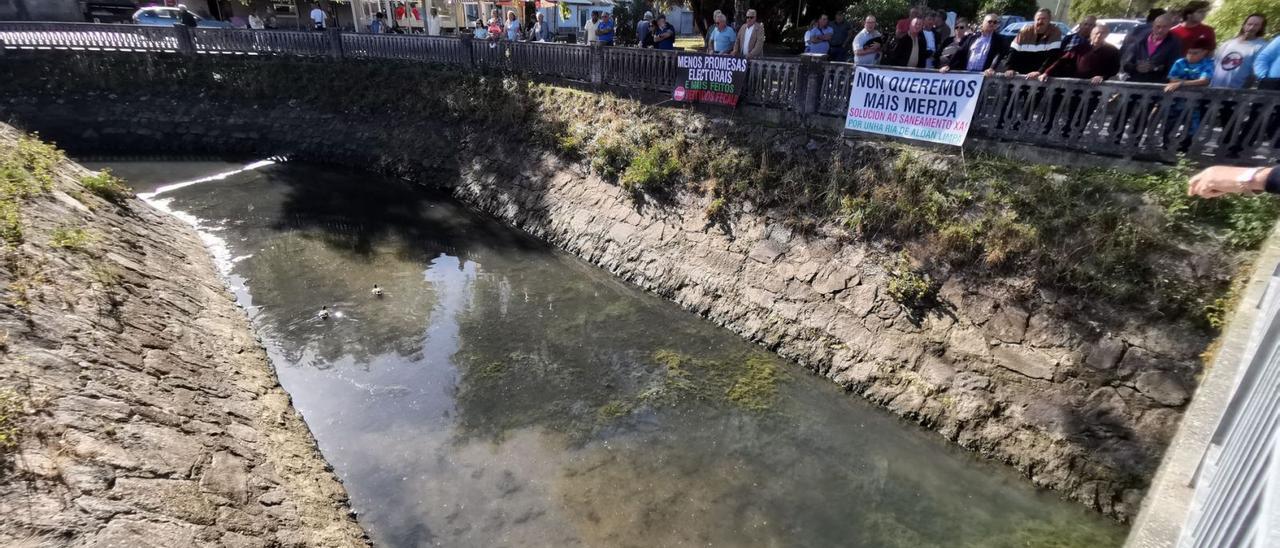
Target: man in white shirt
{"points": [[591, 26], [433, 23], [317, 16], [866, 52], [750, 42]]}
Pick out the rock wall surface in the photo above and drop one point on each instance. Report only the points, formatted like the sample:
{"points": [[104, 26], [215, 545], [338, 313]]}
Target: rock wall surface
{"points": [[150, 415], [1077, 400]]}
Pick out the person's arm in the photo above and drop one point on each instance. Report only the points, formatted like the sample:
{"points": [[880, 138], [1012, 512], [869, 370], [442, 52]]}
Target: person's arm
{"points": [[1222, 180], [1262, 63], [758, 49], [1128, 57]]}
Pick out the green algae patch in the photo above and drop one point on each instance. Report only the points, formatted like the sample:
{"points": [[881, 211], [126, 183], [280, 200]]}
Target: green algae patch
{"points": [[749, 381], [756, 388], [614, 409], [490, 371]]}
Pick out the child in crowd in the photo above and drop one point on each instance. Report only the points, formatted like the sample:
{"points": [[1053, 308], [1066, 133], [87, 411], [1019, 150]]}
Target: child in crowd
{"points": [[1195, 69], [1192, 70]]}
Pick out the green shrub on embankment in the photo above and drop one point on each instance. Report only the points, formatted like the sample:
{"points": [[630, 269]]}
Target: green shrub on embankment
{"points": [[26, 170]]}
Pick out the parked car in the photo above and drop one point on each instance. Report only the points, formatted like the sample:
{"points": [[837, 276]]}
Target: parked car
{"points": [[1120, 28], [1005, 20], [168, 17], [1012, 29]]}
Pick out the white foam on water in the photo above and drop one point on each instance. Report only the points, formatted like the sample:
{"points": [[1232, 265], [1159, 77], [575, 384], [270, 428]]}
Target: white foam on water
{"points": [[217, 177]]}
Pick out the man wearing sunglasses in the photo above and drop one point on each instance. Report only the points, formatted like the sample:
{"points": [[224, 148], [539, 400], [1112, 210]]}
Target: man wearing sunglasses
{"points": [[981, 51], [750, 42]]}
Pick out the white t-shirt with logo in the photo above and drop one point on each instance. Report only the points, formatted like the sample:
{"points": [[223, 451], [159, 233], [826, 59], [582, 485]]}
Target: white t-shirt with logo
{"points": [[1233, 62]]}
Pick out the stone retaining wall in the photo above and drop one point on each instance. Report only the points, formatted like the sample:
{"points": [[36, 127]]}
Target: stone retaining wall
{"points": [[153, 416]]}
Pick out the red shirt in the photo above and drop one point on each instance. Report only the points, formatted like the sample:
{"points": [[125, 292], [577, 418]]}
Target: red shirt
{"points": [[1190, 35]]}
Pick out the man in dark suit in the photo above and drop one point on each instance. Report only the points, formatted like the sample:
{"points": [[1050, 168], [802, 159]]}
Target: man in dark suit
{"points": [[1148, 58], [910, 49], [981, 51]]}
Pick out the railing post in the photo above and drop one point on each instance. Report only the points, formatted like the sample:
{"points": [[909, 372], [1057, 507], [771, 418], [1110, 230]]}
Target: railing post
{"points": [[808, 85], [186, 45], [467, 59], [335, 43], [597, 63]]}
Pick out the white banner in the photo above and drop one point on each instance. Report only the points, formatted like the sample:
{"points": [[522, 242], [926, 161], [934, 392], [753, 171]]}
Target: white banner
{"points": [[926, 106]]}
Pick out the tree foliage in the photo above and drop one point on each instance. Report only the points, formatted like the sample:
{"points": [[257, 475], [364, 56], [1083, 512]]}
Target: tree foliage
{"points": [[1025, 8], [1102, 8], [887, 12]]}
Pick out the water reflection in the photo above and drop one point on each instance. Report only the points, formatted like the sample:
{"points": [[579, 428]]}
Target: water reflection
{"points": [[505, 395]]}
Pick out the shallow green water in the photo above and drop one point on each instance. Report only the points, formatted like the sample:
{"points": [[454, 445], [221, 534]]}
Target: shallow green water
{"points": [[505, 394]]}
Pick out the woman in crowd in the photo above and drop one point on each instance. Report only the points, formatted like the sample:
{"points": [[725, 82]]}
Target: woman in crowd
{"points": [[513, 27]]}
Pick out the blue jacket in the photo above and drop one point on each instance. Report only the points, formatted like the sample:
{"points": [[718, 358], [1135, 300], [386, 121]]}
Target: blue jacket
{"points": [[1267, 63]]}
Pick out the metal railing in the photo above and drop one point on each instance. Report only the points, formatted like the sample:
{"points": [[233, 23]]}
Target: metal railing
{"points": [[1237, 486], [1113, 118]]}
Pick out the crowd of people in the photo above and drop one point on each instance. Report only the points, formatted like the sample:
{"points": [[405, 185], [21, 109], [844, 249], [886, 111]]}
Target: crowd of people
{"points": [[1173, 48]]}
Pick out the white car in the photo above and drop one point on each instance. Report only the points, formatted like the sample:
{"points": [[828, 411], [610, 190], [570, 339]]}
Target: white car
{"points": [[1119, 29]]}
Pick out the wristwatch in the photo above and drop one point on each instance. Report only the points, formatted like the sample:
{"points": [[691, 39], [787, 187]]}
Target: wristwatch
{"points": [[1246, 178]]}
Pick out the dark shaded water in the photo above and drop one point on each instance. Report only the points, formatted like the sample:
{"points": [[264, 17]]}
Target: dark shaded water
{"points": [[505, 394]]}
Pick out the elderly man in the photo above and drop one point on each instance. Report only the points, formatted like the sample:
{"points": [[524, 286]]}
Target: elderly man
{"points": [[981, 51], [1082, 33], [1095, 60], [1035, 46], [868, 43], [722, 37], [644, 30], [910, 50], [605, 29], [1150, 57], [750, 42]]}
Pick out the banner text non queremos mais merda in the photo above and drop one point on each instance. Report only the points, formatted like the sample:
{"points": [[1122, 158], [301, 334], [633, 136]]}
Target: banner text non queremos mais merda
{"points": [[933, 107]]}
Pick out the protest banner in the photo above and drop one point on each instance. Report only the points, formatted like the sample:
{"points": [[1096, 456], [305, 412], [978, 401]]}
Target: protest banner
{"points": [[715, 79], [925, 106]]}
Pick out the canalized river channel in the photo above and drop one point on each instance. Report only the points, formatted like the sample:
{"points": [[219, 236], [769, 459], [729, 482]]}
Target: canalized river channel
{"points": [[502, 393]]}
